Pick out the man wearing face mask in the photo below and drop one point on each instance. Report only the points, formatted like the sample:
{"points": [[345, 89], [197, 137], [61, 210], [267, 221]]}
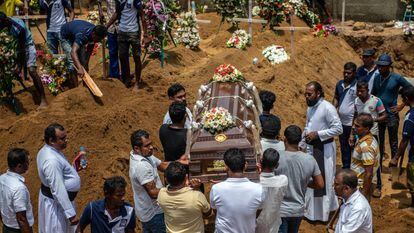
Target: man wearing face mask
{"points": [[368, 70], [60, 184], [322, 125], [146, 183], [355, 215]]}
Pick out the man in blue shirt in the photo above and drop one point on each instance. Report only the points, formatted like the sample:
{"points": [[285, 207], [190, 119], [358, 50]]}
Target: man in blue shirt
{"points": [[407, 95], [110, 214], [386, 86], [78, 38], [368, 70], [56, 17]]}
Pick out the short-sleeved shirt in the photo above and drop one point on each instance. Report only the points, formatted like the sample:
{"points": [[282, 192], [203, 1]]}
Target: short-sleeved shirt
{"points": [[372, 106], [14, 198], [237, 201], [55, 10], [143, 170], [183, 209], [366, 153], [299, 168], [387, 89], [173, 142], [18, 26], [128, 19], [77, 31], [408, 133], [363, 74], [346, 98], [101, 221]]}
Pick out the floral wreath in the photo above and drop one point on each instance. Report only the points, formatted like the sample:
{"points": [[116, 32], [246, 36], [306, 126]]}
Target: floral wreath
{"points": [[187, 31], [229, 9], [275, 54], [8, 60], [54, 72], [217, 120], [227, 73], [321, 30], [240, 39]]}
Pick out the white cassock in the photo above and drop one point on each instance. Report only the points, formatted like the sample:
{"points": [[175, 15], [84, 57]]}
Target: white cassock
{"points": [[323, 118], [59, 175]]}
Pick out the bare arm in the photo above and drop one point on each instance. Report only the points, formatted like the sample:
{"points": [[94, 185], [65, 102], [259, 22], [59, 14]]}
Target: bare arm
{"points": [[23, 223], [75, 58], [152, 189], [401, 149], [382, 117], [112, 20], [317, 182], [367, 181], [71, 13]]}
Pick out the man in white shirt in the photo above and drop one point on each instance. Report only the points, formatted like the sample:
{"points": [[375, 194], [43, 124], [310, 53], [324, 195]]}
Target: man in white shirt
{"points": [[275, 188], [176, 93], [146, 183], [355, 215], [344, 102], [237, 201], [60, 184], [15, 207]]}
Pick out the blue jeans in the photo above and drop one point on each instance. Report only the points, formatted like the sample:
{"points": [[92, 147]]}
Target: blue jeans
{"points": [[53, 40], [155, 225], [345, 147], [113, 55], [290, 225]]}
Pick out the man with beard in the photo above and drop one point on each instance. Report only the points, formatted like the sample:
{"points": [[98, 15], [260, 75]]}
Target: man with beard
{"points": [[111, 214], [176, 93], [60, 184], [322, 125], [368, 70]]}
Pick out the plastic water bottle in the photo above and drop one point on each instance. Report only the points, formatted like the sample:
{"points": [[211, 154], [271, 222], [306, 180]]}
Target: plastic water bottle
{"points": [[255, 60], [82, 154]]}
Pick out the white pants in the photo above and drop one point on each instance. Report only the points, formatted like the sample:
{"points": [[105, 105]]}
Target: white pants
{"points": [[52, 218]]}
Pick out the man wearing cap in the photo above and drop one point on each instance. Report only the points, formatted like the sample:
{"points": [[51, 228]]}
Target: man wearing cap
{"points": [[368, 70], [386, 86]]}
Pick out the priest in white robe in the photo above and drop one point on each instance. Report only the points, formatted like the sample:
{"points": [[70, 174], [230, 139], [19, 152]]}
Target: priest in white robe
{"points": [[60, 184], [322, 125]]}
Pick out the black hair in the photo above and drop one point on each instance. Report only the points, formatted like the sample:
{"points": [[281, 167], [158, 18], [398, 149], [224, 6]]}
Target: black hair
{"points": [[270, 158], [407, 92], [350, 66], [317, 87], [349, 178], [50, 132], [177, 112], [293, 134], [174, 89], [362, 84], [270, 126], [99, 31], [366, 120], [235, 159], [136, 137], [268, 98], [175, 173], [113, 183], [16, 156]]}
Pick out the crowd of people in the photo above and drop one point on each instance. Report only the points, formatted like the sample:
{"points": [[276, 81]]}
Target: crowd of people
{"points": [[298, 177]]}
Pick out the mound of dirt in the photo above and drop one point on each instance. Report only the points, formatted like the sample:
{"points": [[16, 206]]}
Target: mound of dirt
{"points": [[104, 125]]}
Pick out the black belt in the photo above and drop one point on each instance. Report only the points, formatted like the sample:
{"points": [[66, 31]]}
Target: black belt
{"points": [[318, 141], [7, 229], [48, 193]]}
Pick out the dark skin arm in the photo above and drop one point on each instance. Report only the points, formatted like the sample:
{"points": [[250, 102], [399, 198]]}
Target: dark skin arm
{"points": [[130, 231], [152, 189], [401, 149], [335, 102], [23, 223], [367, 181], [71, 13], [75, 58], [317, 182], [382, 117]]}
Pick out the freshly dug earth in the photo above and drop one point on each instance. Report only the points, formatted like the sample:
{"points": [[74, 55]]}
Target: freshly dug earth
{"points": [[104, 125]]}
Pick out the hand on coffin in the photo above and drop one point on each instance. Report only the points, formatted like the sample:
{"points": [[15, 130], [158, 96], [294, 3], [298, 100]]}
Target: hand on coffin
{"points": [[259, 167], [195, 183], [214, 181], [184, 160]]}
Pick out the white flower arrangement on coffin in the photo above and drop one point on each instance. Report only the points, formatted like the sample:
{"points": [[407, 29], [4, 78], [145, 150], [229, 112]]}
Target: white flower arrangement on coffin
{"points": [[187, 31], [275, 54], [240, 39], [217, 120]]}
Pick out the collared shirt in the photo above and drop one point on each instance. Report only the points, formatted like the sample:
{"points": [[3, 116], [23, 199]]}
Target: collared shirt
{"points": [[366, 153], [355, 215], [272, 143], [143, 170], [346, 98], [55, 13], [363, 74], [110, 10], [373, 106], [189, 216], [408, 133], [59, 175], [14, 198], [101, 221], [387, 89], [8, 6], [237, 201], [128, 15], [188, 120], [77, 31], [19, 27]]}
